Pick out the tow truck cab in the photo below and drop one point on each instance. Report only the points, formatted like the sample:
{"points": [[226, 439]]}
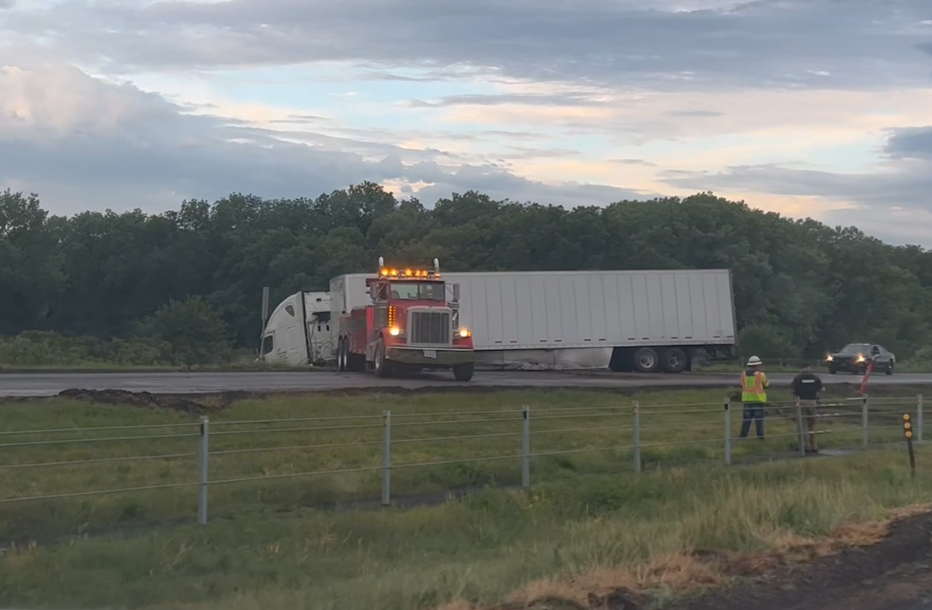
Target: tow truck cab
{"points": [[409, 325]]}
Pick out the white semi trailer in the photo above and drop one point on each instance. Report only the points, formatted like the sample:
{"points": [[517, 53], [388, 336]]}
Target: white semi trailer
{"points": [[645, 321]]}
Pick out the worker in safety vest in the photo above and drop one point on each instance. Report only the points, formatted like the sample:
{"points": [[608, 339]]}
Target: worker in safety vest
{"points": [[754, 386]]}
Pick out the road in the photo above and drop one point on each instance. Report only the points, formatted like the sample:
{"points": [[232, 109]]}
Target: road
{"points": [[49, 384]]}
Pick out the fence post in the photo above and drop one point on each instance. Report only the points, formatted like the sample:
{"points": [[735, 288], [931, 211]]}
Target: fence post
{"points": [[919, 417], [864, 421], [637, 438], [386, 457], [727, 431], [801, 428], [203, 455], [526, 448]]}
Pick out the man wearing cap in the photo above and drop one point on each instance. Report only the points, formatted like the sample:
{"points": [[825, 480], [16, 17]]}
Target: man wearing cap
{"points": [[754, 386], [806, 387]]}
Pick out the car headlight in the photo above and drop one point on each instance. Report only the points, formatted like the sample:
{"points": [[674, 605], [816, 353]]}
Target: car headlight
{"points": [[394, 331], [464, 333], [860, 357], [829, 358]]}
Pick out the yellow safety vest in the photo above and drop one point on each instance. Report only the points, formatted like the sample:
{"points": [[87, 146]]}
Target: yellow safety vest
{"points": [[752, 388]]}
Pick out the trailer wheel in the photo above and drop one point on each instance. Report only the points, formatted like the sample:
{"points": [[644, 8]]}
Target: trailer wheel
{"points": [[646, 360], [674, 360], [464, 372], [379, 364]]}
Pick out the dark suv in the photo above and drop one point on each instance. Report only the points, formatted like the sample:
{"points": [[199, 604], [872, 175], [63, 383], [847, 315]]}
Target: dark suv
{"points": [[853, 358]]}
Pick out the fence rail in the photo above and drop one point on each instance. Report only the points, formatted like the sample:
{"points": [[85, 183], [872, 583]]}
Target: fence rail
{"points": [[850, 423]]}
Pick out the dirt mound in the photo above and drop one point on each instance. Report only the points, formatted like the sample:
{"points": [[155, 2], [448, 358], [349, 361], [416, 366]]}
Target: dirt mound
{"points": [[174, 402]]}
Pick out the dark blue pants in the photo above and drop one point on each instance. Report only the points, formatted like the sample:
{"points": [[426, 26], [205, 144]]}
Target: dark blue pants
{"points": [[755, 411]]}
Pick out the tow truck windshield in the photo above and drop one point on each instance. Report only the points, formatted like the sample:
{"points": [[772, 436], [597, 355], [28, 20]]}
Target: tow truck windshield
{"points": [[417, 291]]}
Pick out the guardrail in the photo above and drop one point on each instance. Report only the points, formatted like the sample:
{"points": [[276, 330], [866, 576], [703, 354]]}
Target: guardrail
{"points": [[644, 434]]}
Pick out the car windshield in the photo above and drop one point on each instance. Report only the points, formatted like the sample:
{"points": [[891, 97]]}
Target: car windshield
{"points": [[853, 349], [419, 291]]}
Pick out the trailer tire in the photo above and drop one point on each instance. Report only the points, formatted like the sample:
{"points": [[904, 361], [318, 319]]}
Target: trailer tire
{"points": [[674, 360], [646, 360], [464, 372], [379, 365]]}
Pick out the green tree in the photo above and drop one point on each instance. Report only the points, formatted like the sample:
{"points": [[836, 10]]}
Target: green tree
{"points": [[193, 328]]}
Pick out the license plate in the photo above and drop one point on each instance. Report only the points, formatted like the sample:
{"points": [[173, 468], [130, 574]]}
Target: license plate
{"points": [[429, 353]]}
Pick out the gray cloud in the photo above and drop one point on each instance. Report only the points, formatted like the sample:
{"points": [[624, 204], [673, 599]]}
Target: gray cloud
{"points": [[905, 186], [87, 144], [914, 143], [7, 3], [762, 43]]}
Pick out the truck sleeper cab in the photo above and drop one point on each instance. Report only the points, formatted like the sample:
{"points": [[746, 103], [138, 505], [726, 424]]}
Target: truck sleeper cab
{"points": [[407, 327]]}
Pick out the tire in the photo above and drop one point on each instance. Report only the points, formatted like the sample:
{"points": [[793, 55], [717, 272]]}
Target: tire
{"points": [[464, 372], [890, 368], [355, 363], [379, 365], [674, 360], [832, 370], [646, 360], [341, 355]]}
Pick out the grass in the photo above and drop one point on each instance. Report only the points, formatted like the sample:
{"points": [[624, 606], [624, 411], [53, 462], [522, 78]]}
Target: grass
{"points": [[574, 433], [265, 547], [569, 536]]}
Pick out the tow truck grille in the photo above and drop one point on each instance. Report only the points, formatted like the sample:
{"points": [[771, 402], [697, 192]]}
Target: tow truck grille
{"points": [[430, 327]]}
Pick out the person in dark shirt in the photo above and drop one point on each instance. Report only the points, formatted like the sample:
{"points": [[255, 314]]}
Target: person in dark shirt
{"points": [[806, 387]]}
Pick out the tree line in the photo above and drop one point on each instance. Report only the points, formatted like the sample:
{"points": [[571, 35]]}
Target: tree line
{"points": [[186, 285]]}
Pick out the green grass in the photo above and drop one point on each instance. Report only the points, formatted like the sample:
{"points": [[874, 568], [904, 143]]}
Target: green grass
{"points": [[479, 549], [579, 432]]}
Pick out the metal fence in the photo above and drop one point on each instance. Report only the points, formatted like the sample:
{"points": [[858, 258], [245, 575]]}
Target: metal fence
{"points": [[633, 437]]}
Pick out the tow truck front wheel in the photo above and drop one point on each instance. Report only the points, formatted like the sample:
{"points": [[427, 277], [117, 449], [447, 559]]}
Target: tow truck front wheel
{"points": [[464, 372], [382, 368]]}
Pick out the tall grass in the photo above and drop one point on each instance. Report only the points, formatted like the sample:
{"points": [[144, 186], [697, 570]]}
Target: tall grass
{"points": [[439, 443], [586, 532]]}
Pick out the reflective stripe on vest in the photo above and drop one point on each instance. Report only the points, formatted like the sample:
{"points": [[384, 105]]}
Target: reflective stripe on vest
{"points": [[753, 388]]}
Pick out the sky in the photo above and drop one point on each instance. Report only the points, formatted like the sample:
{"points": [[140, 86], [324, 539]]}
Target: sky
{"points": [[810, 108]]}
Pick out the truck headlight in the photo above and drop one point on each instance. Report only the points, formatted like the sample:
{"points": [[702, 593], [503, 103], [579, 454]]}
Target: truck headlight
{"points": [[464, 333], [394, 331]]}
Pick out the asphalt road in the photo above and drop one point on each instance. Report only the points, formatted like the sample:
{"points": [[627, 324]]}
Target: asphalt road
{"points": [[49, 384]]}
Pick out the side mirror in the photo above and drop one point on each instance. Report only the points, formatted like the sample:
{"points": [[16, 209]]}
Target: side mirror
{"points": [[456, 293]]}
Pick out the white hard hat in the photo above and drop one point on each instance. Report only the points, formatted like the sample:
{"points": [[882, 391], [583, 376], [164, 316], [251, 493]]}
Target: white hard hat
{"points": [[754, 361]]}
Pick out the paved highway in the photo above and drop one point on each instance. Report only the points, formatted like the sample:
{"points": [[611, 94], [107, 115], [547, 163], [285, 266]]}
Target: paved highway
{"points": [[49, 384]]}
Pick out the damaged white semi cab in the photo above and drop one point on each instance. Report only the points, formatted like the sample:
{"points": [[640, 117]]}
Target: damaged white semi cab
{"points": [[298, 331]]}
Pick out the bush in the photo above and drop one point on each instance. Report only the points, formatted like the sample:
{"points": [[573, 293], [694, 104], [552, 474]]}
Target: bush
{"points": [[38, 348]]}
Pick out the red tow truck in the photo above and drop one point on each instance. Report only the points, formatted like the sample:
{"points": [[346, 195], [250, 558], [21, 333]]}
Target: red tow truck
{"points": [[407, 326]]}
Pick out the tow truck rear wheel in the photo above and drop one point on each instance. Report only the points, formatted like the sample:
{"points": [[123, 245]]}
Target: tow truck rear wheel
{"points": [[464, 372], [381, 367], [343, 355]]}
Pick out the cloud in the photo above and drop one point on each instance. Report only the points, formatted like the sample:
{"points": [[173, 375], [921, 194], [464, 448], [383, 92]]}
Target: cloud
{"points": [[904, 185], [7, 3], [86, 143], [913, 143], [631, 43]]}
